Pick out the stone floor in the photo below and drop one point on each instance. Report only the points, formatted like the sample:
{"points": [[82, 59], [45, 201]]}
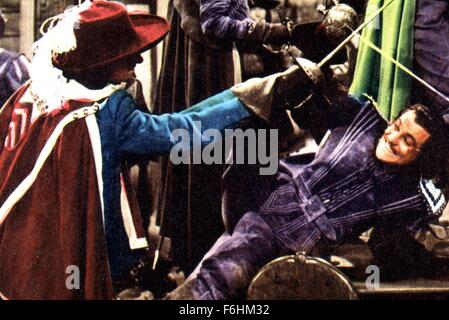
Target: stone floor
{"points": [[353, 259]]}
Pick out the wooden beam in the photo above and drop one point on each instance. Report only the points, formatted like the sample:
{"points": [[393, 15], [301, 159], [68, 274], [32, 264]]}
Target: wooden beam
{"points": [[27, 18]]}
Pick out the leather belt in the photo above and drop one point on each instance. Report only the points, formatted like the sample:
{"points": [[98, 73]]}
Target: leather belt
{"points": [[314, 210]]}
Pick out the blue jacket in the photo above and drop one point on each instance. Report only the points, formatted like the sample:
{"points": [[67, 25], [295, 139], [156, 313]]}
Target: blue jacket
{"points": [[125, 130]]}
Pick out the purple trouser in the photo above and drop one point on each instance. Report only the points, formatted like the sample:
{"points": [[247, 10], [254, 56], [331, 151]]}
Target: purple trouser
{"points": [[229, 267]]}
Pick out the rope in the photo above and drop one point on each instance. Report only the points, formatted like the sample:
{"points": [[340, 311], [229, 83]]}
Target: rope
{"points": [[402, 67], [356, 31]]}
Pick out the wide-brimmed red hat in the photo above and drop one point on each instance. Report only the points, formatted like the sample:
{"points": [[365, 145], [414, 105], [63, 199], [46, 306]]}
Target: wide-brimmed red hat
{"points": [[107, 33]]}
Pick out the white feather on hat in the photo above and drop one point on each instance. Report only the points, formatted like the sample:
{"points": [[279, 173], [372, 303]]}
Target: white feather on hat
{"points": [[49, 89]]}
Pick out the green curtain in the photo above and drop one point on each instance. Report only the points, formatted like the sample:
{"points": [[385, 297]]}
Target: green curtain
{"points": [[376, 76]]}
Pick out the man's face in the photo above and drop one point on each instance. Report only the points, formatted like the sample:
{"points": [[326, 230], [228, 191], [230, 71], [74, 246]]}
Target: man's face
{"points": [[402, 140], [124, 70]]}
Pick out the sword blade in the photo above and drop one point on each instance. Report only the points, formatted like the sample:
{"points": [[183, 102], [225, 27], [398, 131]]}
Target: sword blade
{"points": [[402, 67]]}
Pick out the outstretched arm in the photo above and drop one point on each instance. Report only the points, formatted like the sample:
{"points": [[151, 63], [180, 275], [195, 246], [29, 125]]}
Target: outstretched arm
{"points": [[141, 133], [225, 19], [229, 19]]}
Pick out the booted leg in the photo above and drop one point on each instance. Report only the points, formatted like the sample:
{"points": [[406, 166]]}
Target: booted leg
{"points": [[227, 272]]}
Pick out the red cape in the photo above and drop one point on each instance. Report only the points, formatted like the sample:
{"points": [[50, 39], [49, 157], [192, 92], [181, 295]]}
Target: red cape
{"points": [[58, 223]]}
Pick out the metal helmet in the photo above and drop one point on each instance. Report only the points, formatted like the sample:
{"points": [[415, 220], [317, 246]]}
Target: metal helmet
{"points": [[338, 22], [317, 38]]}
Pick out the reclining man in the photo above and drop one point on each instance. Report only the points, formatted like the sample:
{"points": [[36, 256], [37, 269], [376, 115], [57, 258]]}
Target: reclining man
{"points": [[368, 173]]}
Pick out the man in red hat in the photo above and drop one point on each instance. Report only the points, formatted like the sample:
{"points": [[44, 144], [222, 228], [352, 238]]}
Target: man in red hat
{"points": [[69, 225]]}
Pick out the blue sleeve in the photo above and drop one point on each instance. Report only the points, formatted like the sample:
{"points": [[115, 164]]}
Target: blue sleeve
{"points": [[141, 133], [225, 19]]}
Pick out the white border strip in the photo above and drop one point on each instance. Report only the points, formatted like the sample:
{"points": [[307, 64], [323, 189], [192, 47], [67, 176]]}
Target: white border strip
{"points": [[94, 134], [432, 193], [134, 242], [3, 297], [26, 184]]}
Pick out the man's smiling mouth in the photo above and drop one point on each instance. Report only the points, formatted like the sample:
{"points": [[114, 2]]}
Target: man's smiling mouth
{"points": [[389, 149]]}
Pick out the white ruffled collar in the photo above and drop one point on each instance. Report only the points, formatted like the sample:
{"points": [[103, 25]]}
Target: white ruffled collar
{"points": [[71, 90]]}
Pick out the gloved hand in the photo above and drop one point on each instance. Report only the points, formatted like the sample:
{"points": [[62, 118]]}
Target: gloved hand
{"points": [[269, 33], [284, 58], [283, 90], [297, 82]]}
